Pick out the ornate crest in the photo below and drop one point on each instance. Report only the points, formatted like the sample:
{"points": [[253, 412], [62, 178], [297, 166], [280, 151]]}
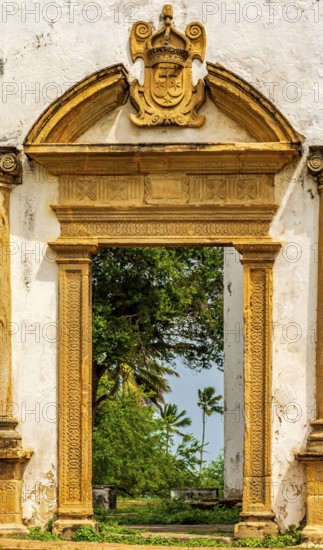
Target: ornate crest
{"points": [[168, 96]]}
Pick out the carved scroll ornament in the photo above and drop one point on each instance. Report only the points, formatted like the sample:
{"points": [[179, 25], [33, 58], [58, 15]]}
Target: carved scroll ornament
{"points": [[168, 96]]}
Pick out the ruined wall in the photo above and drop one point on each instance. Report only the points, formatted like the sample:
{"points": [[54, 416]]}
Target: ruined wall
{"points": [[46, 47]]}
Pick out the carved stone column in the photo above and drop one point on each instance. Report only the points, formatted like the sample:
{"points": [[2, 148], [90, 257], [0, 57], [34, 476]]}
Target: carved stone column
{"points": [[313, 456], [12, 457], [74, 388], [256, 513]]}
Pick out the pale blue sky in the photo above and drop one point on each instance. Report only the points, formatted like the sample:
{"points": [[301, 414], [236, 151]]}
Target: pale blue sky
{"points": [[184, 394]]}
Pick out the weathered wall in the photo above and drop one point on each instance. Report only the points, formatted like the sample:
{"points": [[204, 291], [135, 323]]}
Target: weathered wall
{"points": [[233, 374], [35, 335], [47, 46], [294, 328]]}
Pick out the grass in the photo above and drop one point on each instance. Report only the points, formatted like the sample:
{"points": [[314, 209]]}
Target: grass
{"points": [[291, 537], [145, 512], [168, 513], [114, 533]]}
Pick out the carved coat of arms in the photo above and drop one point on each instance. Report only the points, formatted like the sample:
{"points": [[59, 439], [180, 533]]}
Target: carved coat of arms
{"points": [[167, 96]]}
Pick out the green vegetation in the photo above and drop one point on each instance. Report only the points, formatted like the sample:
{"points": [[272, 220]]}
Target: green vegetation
{"points": [[170, 512], [133, 448], [130, 450], [291, 537], [150, 307], [37, 533], [212, 475], [113, 533], [172, 421]]}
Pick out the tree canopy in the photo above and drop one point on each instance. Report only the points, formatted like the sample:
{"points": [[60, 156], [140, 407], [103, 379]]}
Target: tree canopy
{"points": [[130, 449], [152, 306]]}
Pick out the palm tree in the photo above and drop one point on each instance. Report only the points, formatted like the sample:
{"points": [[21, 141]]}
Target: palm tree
{"points": [[209, 403], [173, 420], [149, 380]]}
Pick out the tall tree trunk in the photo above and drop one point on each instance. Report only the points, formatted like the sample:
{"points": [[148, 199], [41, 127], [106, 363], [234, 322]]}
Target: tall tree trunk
{"points": [[167, 441], [203, 439]]}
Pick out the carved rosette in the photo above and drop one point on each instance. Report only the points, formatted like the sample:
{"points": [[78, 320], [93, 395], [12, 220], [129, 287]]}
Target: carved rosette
{"points": [[315, 164], [10, 166], [168, 97]]}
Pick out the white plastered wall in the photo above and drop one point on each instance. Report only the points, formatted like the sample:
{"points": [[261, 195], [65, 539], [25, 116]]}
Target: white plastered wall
{"points": [[233, 374], [45, 47]]}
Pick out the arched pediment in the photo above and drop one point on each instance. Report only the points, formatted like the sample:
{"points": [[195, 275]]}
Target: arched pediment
{"points": [[247, 106], [83, 105]]}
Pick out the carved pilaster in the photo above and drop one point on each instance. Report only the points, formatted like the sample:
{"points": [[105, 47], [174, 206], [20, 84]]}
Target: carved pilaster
{"points": [[75, 383], [313, 456], [256, 513], [315, 167], [12, 457], [9, 171]]}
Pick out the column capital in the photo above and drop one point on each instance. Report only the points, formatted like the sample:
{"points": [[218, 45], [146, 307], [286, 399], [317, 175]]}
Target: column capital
{"points": [[68, 253], [10, 166], [315, 164], [258, 252]]}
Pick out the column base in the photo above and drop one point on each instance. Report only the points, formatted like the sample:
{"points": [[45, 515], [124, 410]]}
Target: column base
{"points": [[13, 460], [256, 527], [8, 530], [66, 527], [313, 460], [312, 534]]}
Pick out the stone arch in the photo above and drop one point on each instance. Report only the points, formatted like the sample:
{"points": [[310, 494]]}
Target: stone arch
{"points": [[84, 104], [81, 106], [245, 104]]}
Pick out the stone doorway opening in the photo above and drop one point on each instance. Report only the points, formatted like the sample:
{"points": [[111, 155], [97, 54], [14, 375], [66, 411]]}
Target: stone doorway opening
{"points": [[158, 315]]}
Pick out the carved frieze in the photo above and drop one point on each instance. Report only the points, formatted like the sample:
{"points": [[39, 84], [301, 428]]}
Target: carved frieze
{"points": [[167, 96], [114, 189], [232, 188], [117, 230], [166, 188]]}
